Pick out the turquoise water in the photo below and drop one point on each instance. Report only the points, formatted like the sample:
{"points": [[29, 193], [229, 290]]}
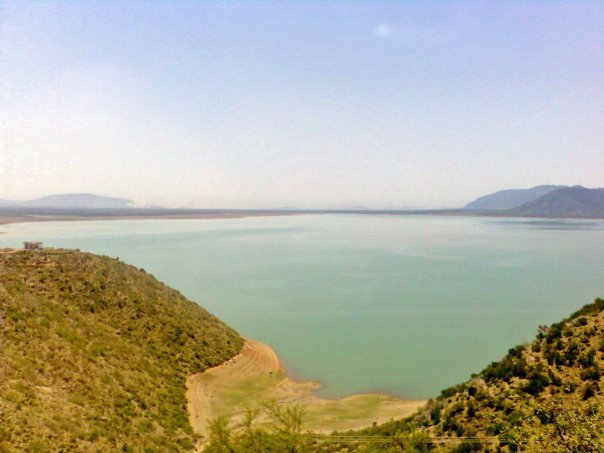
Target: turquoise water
{"points": [[404, 304]]}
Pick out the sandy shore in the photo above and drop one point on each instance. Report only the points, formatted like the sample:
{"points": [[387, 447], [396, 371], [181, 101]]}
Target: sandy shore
{"points": [[256, 375]]}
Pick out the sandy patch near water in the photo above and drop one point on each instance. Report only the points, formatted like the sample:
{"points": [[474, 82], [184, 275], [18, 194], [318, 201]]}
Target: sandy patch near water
{"points": [[257, 375]]}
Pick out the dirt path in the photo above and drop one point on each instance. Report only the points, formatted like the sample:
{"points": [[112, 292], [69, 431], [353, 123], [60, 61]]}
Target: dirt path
{"points": [[256, 375]]}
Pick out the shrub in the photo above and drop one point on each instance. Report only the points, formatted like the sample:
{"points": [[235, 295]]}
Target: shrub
{"points": [[587, 360], [592, 374], [589, 390], [435, 413], [536, 383]]}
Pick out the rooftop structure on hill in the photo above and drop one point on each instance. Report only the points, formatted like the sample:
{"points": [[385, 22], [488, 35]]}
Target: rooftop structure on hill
{"points": [[32, 245]]}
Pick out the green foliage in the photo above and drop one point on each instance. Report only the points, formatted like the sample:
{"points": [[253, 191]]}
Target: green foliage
{"points": [[95, 354], [448, 392], [536, 382], [414, 441], [282, 432], [511, 366], [220, 436], [435, 413], [557, 425], [590, 309]]}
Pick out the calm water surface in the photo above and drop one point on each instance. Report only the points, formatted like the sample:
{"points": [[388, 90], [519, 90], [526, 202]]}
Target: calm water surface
{"points": [[404, 304]]}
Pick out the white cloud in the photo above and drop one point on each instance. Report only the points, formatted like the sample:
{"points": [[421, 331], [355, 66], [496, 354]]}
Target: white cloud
{"points": [[413, 35], [383, 30]]}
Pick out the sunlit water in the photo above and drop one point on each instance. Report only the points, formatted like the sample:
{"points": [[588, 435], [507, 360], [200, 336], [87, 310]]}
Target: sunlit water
{"points": [[404, 304]]}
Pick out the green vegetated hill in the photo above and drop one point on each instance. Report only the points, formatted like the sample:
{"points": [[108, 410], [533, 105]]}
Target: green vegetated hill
{"points": [[544, 396], [94, 355]]}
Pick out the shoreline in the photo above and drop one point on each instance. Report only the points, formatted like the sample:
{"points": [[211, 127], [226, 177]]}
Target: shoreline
{"points": [[64, 215], [13, 219], [257, 375]]}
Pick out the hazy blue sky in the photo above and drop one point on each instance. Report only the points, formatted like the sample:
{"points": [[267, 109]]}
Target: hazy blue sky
{"points": [[308, 104]]}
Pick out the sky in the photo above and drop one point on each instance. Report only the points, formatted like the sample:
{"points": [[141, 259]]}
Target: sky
{"points": [[308, 104]]}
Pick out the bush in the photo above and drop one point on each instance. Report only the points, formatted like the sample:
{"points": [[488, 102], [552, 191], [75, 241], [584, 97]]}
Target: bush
{"points": [[505, 370], [449, 392], [517, 351], [435, 413], [536, 383], [589, 390], [587, 360], [581, 321], [592, 374]]}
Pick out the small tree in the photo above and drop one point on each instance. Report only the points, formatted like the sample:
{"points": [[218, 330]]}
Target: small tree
{"points": [[220, 436], [279, 430], [286, 423]]}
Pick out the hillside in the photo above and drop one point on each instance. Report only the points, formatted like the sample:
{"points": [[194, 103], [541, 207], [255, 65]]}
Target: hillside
{"points": [[95, 354], [511, 198], [544, 396], [71, 201], [577, 202]]}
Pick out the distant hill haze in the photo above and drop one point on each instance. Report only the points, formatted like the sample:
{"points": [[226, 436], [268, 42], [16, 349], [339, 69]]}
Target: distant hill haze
{"points": [[543, 201], [71, 201], [511, 198], [575, 202]]}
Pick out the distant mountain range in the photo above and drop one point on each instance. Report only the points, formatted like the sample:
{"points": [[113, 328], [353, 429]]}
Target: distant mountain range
{"points": [[539, 201], [544, 201], [70, 201], [511, 198], [574, 201]]}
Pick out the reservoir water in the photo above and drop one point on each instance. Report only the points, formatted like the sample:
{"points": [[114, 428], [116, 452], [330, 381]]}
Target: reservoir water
{"points": [[403, 304]]}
